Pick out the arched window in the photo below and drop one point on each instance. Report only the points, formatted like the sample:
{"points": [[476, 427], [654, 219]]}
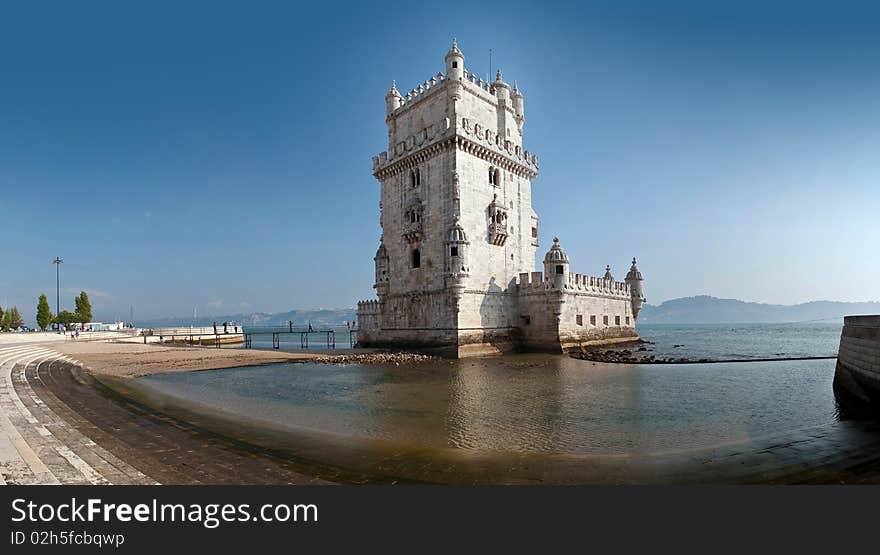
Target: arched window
{"points": [[497, 178], [491, 175], [418, 177], [412, 178], [416, 258], [454, 251]]}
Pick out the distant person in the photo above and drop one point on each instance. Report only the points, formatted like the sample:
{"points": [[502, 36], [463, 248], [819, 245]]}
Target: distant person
{"points": [[236, 329], [310, 327], [224, 328], [290, 325], [215, 328]]}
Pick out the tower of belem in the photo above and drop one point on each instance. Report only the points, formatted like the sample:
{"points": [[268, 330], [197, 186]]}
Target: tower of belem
{"points": [[456, 259]]}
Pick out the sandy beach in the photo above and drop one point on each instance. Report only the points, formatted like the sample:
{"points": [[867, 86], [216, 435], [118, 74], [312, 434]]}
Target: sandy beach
{"points": [[130, 360]]}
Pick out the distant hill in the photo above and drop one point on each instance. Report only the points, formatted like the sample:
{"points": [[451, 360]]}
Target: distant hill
{"points": [[689, 310], [711, 310], [318, 317]]}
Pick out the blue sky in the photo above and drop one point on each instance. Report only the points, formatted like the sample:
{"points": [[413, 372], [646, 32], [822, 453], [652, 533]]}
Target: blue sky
{"points": [[217, 155]]}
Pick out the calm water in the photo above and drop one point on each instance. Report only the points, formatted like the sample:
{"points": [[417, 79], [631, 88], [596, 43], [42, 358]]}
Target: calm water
{"points": [[745, 341], [540, 403]]}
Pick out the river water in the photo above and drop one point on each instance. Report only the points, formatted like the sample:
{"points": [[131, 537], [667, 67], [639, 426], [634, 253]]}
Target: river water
{"points": [[548, 403]]}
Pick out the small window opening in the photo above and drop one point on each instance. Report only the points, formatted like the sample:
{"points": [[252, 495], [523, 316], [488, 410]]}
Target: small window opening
{"points": [[580, 320], [528, 320], [534, 233], [605, 320], [416, 258], [617, 320], [593, 320], [455, 65], [454, 251], [627, 320], [559, 268]]}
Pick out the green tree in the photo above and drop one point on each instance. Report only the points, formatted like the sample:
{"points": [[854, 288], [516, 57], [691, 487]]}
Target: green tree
{"points": [[44, 313], [65, 318], [6, 320], [83, 307], [15, 320], [1, 318]]}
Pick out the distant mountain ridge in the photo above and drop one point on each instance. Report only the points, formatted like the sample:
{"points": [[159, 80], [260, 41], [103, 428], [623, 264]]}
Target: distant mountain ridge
{"points": [[705, 309], [317, 317], [702, 309]]}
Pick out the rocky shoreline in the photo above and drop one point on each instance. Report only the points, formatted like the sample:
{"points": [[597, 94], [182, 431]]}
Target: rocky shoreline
{"points": [[639, 355], [395, 358]]}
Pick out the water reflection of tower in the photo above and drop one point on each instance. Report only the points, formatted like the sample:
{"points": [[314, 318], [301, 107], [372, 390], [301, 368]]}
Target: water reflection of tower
{"points": [[516, 406]]}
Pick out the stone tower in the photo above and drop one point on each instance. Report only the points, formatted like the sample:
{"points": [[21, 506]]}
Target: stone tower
{"points": [[455, 264], [456, 210]]}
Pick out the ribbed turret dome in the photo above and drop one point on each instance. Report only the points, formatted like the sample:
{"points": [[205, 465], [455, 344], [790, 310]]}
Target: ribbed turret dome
{"points": [[454, 51], [608, 272], [381, 252], [457, 234], [556, 254], [634, 272], [393, 92]]}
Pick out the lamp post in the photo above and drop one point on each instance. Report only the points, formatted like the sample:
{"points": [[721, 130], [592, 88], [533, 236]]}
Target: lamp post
{"points": [[58, 261]]}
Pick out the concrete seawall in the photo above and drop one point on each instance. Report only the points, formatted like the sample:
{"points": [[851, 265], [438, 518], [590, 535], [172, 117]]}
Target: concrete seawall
{"points": [[857, 376]]}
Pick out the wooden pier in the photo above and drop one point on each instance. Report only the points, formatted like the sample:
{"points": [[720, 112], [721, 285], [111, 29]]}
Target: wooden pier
{"points": [[328, 337]]}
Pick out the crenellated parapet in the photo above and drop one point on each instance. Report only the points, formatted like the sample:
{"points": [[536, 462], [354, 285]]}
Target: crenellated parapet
{"points": [[369, 308], [598, 286], [575, 283]]}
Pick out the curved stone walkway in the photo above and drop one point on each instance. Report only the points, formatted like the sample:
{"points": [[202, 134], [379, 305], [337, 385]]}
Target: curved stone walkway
{"points": [[38, 445], [58, 429]]}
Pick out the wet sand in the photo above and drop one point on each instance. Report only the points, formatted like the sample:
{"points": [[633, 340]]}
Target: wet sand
{"points": [[131, 360]]}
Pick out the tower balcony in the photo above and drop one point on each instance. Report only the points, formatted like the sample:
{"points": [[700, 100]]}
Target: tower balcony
{"points": [[497, 234], [412, 231]]}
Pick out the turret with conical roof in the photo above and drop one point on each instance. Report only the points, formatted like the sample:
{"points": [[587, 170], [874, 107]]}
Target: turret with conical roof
{"points": [[556, 265], [393, 100], [456, 251], [608, 274], [637, 288], [382, 268], [454, 62]]}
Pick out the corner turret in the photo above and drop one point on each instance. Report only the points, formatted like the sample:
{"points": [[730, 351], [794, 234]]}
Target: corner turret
{"points": [[556, 266], [517, 97], [454, 62], [637, 288], [393, 100], [382, 266]]}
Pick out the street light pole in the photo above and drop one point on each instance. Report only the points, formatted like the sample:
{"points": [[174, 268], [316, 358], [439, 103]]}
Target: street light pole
{"points": [[58, 261]]}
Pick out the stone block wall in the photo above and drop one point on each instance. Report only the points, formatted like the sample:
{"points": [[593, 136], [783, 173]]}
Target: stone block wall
{"points": [[857, 375]]}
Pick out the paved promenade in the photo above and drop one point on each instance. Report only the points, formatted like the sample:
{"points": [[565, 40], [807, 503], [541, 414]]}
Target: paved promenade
{"points": [[38, 445], [56, 429]]}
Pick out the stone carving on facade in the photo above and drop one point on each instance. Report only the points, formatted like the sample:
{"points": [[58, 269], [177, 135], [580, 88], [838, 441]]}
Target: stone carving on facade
{"points": [[497, 214]]}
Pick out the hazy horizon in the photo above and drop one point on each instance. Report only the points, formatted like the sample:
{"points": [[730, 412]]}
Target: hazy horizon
{"points": [[217, 155]]}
